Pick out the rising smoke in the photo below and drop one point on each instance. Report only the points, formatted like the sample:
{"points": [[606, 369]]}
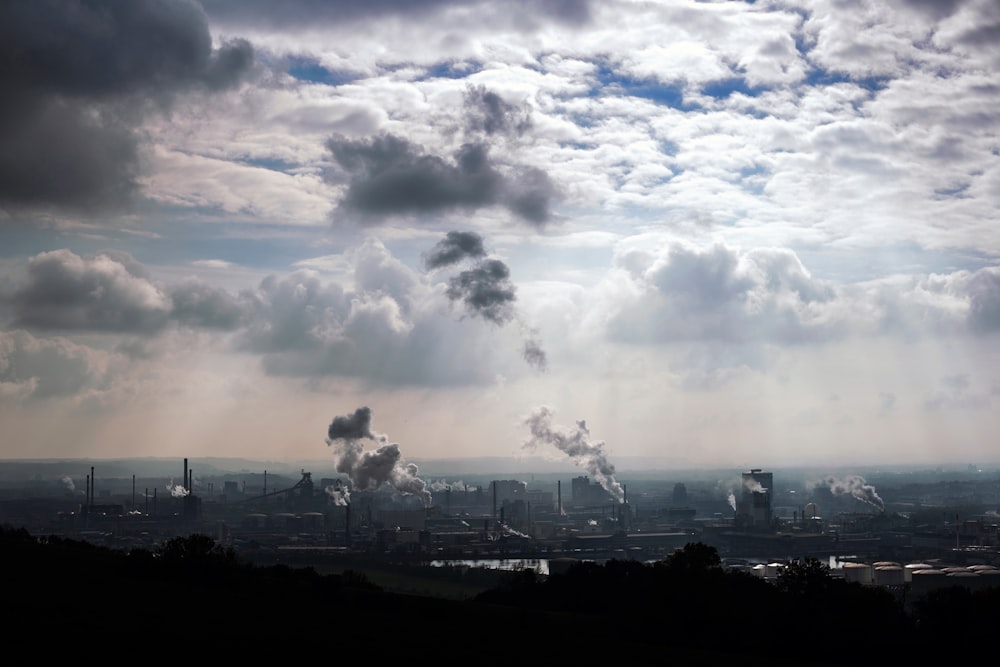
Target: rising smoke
{"points": [[484, 287], [176, 490], [455, 247], [370, 470], [856, 486], [577, 445]]}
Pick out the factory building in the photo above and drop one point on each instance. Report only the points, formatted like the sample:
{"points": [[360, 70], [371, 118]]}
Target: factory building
{"points": [[753, 511]]}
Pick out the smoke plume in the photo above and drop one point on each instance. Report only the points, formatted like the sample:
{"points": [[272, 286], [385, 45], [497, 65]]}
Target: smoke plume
{"points": [[176, 490], [856, 486], [535, 355], [369, 470], [732, 500], [484, 288], [339, 494], [577, 445], [454, 248]]}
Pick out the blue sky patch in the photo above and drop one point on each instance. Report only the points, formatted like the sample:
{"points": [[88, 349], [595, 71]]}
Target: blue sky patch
{"points": [[312, 71]]}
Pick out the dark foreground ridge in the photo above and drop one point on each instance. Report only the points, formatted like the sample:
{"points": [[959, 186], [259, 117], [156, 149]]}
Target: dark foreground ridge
{"points": [[191, 597]]}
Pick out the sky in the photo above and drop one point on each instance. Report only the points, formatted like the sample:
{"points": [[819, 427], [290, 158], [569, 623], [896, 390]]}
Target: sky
{"points": [[739, 234]]}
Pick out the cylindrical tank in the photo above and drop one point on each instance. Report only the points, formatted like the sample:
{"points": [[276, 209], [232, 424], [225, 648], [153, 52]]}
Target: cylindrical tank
{"points": [[860, 573], [889, 575], [928, 579], [910, 568], [772, 570]]}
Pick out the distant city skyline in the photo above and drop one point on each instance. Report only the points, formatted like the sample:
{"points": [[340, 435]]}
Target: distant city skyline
{"points": [[722, 235]]}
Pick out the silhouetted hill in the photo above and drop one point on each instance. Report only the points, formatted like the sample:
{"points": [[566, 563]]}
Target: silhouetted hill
{"points": [[190, 597]]}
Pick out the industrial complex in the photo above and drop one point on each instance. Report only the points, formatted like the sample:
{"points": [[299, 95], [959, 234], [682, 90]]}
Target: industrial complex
{"points": [[753, 521]]}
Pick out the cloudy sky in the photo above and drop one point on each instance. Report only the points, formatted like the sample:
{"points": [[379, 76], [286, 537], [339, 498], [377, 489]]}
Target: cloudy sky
{"points": [[746, 234]]}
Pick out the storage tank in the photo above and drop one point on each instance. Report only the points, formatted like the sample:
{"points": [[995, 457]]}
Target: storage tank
{"points": [[772, 570], [860, 573], [910, 568], [928, 579], [889, 575]]}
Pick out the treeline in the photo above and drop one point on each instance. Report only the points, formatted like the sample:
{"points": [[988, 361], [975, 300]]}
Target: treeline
{"points": [[194, 594]]}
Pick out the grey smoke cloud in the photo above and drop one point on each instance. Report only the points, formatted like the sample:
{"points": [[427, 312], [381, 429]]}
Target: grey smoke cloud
{"points": [[369, 470], [535, 355], [455, 247], [78, 80], [577, 445], [355, 426], [485, 290], [856, 486]]}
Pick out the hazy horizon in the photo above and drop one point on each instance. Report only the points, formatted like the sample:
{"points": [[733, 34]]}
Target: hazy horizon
{"points": [[714, 235]]}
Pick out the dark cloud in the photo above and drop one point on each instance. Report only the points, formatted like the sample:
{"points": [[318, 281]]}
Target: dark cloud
{"points": [[391, 175], [935, 8], [265, 14], [530, 194], [80, 76], [388, 175], [487, 112], [454, 248], [485, 290], [64, 291], [111, 292]]}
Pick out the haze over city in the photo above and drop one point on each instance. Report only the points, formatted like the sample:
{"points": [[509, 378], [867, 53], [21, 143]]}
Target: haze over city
{"points": [[700, 234]]}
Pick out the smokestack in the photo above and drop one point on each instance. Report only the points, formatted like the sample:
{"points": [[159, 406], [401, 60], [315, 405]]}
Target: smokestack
{"points": [[186, 473], [86, 502], [559, 495], [93, 482], [494, 499], [133, 492]]}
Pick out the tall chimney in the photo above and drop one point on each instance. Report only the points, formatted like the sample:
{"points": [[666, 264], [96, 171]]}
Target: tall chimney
{"points": [[185, 473], [559, 495], [93, 483]]}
